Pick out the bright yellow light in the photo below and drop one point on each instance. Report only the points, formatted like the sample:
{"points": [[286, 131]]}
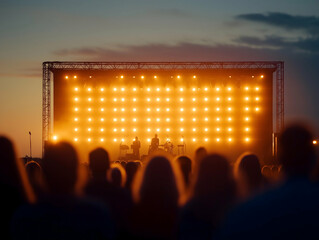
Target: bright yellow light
{"points": [[247, 119], [102, 89], [89, 139], [181, 99], [229, 129], [194, 139], [194, 129], [75, 76], [89, 129], [123, 99], [157, 109], [89, 89], [148, 89], [182, 119], [217, 89], [122, 76], [148, 119], [229, 109], [194, 89], [142, 77], [217, 109], [122, 89], [247, 139], [158, 130], [206, 119], [167, 99], [102, 129], [218, 140], [148, 140], [76, 109], [134, 89], [206, 129], [206, 139], [194, 76], [206, 109], [167, 119], [114, 89], [182, 109], [102, 99], [134, 119], [134, 99], [75, 139], [194, 119], [158, 99], [229, 119], [148, 99], [229, 99], [115, 119], [217, 99], [217, 129], [114, 130], [257, 88], [194, 99], [167, 89], [182, 139], [66, 77], [194, 109], [55, 137], [261, 76], [122, 119], [206, 99], [134, 109], [148, 109], [102, 140], [123, 130], [158, 119], [178, 76], [115, 109], [229, 139], [182, 129], [102, 119], [148, 130], [246, 98], [90, 119], [76, 119], [229, 89], [181, 89], [246, 109], [257, 109], [157, 89], [75, 129], [167, 129], [167, 109], [247, 129], [114, 139], [76, 99], [257, 98], [89, 109], [314, 142], [205, 89], [76, 89], [134, 129], [89, 99], [217, 119]]}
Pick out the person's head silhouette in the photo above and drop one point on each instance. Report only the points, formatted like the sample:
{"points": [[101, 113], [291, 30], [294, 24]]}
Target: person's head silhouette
{"points": [[99, 163], [185, 164], [296, 151], [60, 166]]}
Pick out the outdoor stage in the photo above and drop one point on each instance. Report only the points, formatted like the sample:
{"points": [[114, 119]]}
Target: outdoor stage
{"points": [[227, 107]]}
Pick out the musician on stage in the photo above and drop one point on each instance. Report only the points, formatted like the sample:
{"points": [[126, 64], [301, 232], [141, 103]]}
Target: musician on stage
{"points": [[154, 144], [136, 148]]}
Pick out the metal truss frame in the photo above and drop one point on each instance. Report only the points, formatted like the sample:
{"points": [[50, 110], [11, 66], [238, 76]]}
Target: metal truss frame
{"points": [[49, 67]]}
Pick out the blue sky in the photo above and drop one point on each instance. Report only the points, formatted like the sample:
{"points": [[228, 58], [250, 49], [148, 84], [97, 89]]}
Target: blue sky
{"points": [[148, 30]]}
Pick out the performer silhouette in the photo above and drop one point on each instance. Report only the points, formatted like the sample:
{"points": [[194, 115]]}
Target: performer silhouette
{"points": [[136, 148], [154, 144]]}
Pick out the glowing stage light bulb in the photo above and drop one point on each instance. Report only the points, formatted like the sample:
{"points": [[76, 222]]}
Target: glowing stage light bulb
{"points": [[134, 89], [148, 89], [114, 89], [206, 119], [157, 89], [181, 119], [123, 109], [102, 139], [257, 98], [217, 129], [246, 119], [102, 119], [218, 139], [115, 140], [115, 109], [246, 139], [114, 130], [194, 119], [218, 109], [178, 76], [123, 130], [229, 139], [158, 119], [229, 88], [246, 129], [89, 129], [134, 109], [76, 109], [123, 99], [142, 77], [205, 99], [218, 119], [122, 89], [134, 99], [114, 99], [246, 109], [229, 119], [102, 129], [206, 129], [217, 89], [167, 119], [122, 119], [167, 99], [102, 89], [134, 129], [167, 109], [181, 99], [182, 109], [90, 119], [194, 99], [89, 139], [102, 109], [66, 77], [182, 139], [206, 140], [75, 129], [181, 89], [55, 137], [194, 129], [314, 142], [218, 99], [205, 89], [229, 129], [158, 99], [76, 119], [75, 139], [89, 109], [157, 109], [148, 130], [148, 119], [75, 77], [194, 89], [194, 109], [229, 109], [261, 76], [76, 99], [182, 129], [148, 140], [89, 89], [167, 129], [134, 119], [89, 99], [257, 88], [194, 139], [76, 89], [122, 76], [246, 88], [148, 99], [158, 130], [114, 119], [229, 99], [102, 99], [167, 89], [257, 109]]}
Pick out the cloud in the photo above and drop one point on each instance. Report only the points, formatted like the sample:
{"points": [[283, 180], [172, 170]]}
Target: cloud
{"points": [[309, 45], [310, 24]]}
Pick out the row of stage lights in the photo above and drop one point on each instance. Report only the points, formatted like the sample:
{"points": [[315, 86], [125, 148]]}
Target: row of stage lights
{"points": [[155, 76], [181, 89]]}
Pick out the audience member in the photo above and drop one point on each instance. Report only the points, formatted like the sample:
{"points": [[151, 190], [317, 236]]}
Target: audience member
{"points": [[14, 184], [117, 175], [200, 153], [185, 165], [156, 193], [289, 211], [62, 214], [248, 175], [34, 172], [131, 170], [213, 195]]}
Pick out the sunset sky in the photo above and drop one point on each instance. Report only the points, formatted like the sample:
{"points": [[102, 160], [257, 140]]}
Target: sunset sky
{"points": [[35, 31]]}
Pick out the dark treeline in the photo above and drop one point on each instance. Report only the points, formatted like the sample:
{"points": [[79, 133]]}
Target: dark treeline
{"points": [[200, 197]]}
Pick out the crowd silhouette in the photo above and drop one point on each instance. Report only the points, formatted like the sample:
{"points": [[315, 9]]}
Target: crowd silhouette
{"points": [[203, 197]]}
